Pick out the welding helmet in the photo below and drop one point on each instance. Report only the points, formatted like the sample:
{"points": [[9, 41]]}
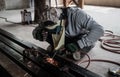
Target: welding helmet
{"points": [[41, 32]]}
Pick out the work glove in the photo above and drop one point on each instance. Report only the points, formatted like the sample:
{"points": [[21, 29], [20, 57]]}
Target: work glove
{"points": [[72, 47], [75, 50]]}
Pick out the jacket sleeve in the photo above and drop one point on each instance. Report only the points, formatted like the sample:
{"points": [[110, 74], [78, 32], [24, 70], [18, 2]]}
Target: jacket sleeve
{"points": [[95, 30]]}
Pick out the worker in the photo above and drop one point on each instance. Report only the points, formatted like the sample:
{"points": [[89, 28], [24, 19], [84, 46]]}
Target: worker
{"points": [[80, 32]]}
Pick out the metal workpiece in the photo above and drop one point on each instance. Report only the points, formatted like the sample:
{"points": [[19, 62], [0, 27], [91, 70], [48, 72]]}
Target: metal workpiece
{"points": [[36, 61]]}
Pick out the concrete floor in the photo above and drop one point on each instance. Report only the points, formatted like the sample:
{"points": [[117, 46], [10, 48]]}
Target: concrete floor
{"points": [[108, 17]]}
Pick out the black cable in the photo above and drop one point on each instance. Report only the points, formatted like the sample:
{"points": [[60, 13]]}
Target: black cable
{"points": [[111, 44], [8, 20], [100, 60]]}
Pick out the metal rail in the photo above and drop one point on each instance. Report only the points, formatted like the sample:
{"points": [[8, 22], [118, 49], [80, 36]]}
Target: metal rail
{"points": [[13, 48]]}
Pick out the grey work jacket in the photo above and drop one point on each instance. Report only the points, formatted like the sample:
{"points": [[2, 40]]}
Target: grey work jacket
{"points": [[79, 23]]}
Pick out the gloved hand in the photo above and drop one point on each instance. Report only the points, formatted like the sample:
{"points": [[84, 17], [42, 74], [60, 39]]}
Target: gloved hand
{"points": [[72, 47], [75, 51]]}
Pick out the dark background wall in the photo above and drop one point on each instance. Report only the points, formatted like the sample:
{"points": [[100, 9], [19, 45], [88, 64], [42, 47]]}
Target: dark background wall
{"points": [[21, 4], [14, 4], [2, 4], [113, 3], [17, 4]]}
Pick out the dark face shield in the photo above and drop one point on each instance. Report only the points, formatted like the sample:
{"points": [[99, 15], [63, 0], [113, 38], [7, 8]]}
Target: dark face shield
{"points": [[41, 32], [44, 35]]}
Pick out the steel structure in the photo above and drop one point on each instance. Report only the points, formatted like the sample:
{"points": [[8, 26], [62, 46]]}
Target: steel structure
{"points": [[13, 47]]}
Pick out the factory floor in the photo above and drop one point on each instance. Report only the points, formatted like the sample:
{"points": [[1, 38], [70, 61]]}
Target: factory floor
{"points": [[108, 17]]}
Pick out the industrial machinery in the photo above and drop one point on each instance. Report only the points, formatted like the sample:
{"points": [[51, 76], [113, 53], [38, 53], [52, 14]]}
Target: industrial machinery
{"points": [[36, 62]]}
